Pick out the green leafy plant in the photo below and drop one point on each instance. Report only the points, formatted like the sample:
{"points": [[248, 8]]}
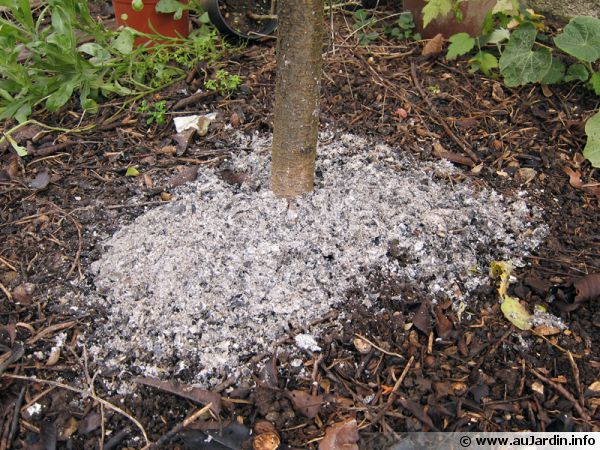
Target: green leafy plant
{"points": [[155, 112], [363, 27], [43, 65], [403, 28], [223, 82]]}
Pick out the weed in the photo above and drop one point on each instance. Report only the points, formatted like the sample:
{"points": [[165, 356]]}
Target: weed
{"points": [[223, 82], [155, 112], [403, 28], [363, 27]]}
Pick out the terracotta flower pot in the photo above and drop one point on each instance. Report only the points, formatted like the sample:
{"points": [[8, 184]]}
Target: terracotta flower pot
{"points": [[149, 21], [474, 13]]}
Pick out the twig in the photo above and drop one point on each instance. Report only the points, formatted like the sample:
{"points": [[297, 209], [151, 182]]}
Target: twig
{"points": [[6, 292], [14, 426], [50, 149], [195, 98], [433, 112], [15, 354], [390, 399], [379, 348], [165, 439], [575, 370], [87, 393], [563, 391]]}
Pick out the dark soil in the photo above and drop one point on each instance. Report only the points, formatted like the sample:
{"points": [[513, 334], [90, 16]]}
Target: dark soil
{"points": [[473, 371], [241, 15]]}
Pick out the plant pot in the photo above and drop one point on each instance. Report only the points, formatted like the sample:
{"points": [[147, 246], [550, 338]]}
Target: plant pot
{"points": [[474, 13], [226, 24], [149, 21]]}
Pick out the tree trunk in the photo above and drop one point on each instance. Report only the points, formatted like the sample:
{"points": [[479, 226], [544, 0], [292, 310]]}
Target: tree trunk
{"points": [[296, 121]]}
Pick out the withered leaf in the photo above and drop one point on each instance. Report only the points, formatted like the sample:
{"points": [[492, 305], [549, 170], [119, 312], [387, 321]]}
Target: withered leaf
{"points": [[422, 318], [443, 325], [187, 175], [434, 46], [418, 411], [587, 288], [195, 394], [341, 436], [41, 180], [306, 404], [89, 423], [23, 293], [575, 181]]}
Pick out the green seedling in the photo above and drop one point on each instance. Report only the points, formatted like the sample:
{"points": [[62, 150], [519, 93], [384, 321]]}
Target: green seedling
{"points": [[223, 82], [403, 28], [155, 112], [363, 27]]}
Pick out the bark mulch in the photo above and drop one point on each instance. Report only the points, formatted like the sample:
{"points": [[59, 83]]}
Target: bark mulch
{"points": [[416, 365]]}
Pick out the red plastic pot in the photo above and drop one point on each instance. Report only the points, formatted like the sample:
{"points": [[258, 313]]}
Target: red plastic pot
{"points": [[474, 13], [149, 21]]}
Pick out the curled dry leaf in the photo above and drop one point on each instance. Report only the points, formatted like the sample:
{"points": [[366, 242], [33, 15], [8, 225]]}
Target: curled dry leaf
{"points": [[575, 181], [362, 346], [587, 288], [266, 441], [434, 46], [443, 325], [54, 356], [195, 394], [422, 318], [306, 404], [341, 436]]}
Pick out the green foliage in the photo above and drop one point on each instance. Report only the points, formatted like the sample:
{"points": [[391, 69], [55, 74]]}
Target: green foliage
{"points": [[172, 7], [363, 26], [483, 61], [460, 44], [581, 39], [223, 82], [403, 28], [43, 66], [592, 147], [437, 8], [155, 112]]}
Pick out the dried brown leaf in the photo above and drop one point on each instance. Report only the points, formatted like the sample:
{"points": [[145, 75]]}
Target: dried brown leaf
{"points": [[266, 441], [587, 288], [422, 318], [306, 404], [341, 436], [23, 293], [575, 181], [434, 46], [89, 423], [418, 411], [195, 394], [443, 325], [187, 175]]}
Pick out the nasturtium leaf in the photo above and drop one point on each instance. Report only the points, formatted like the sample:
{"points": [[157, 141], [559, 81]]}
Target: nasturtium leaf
{"points": [[577, 72], [516, 313], [132, 172], [174, 7], [592, 147], [595, 83], [555, 74], [520, 64], [460, 44], [581, 38], [510, 7], [124, 41], [434, 9]]}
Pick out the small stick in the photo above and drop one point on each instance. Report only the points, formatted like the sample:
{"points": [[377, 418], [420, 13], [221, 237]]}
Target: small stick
{"points": [[390, 399], [379, 348], [6, 292], [14, 426], [165, 439], [575, 370], [192, 99], [563, 391]]}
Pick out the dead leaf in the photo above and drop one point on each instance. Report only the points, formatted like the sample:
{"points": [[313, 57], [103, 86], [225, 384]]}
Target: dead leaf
{"points": [[41, 181], [362, 346], [575, 181], [306, 404], [544, 330], [418, 411], [587, 288], [341, 436], [148, 182], [443, 325], [595, 386], [195, 394], [89, 423], [498, 93], [434, 46], [183, 140], [266, 441], [526, 175], [24, 293], [537, 387], [187, 175], [422, 318], [440, 151]]}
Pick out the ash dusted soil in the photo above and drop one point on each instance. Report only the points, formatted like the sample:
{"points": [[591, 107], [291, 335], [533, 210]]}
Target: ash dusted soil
{"points": [[223, 270]]}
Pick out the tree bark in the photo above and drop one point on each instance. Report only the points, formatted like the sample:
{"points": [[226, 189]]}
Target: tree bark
{"points": [[297, 90]]}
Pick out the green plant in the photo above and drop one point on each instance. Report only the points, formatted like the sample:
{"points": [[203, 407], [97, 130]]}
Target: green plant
{"points": [[526, 57], [174, 7], [403, 28], [155, 112], [42, 65], [223, 82], [363, 27]]}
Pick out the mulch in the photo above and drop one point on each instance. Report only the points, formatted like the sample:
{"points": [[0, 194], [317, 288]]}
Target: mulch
{"points": [[414, 365]]}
